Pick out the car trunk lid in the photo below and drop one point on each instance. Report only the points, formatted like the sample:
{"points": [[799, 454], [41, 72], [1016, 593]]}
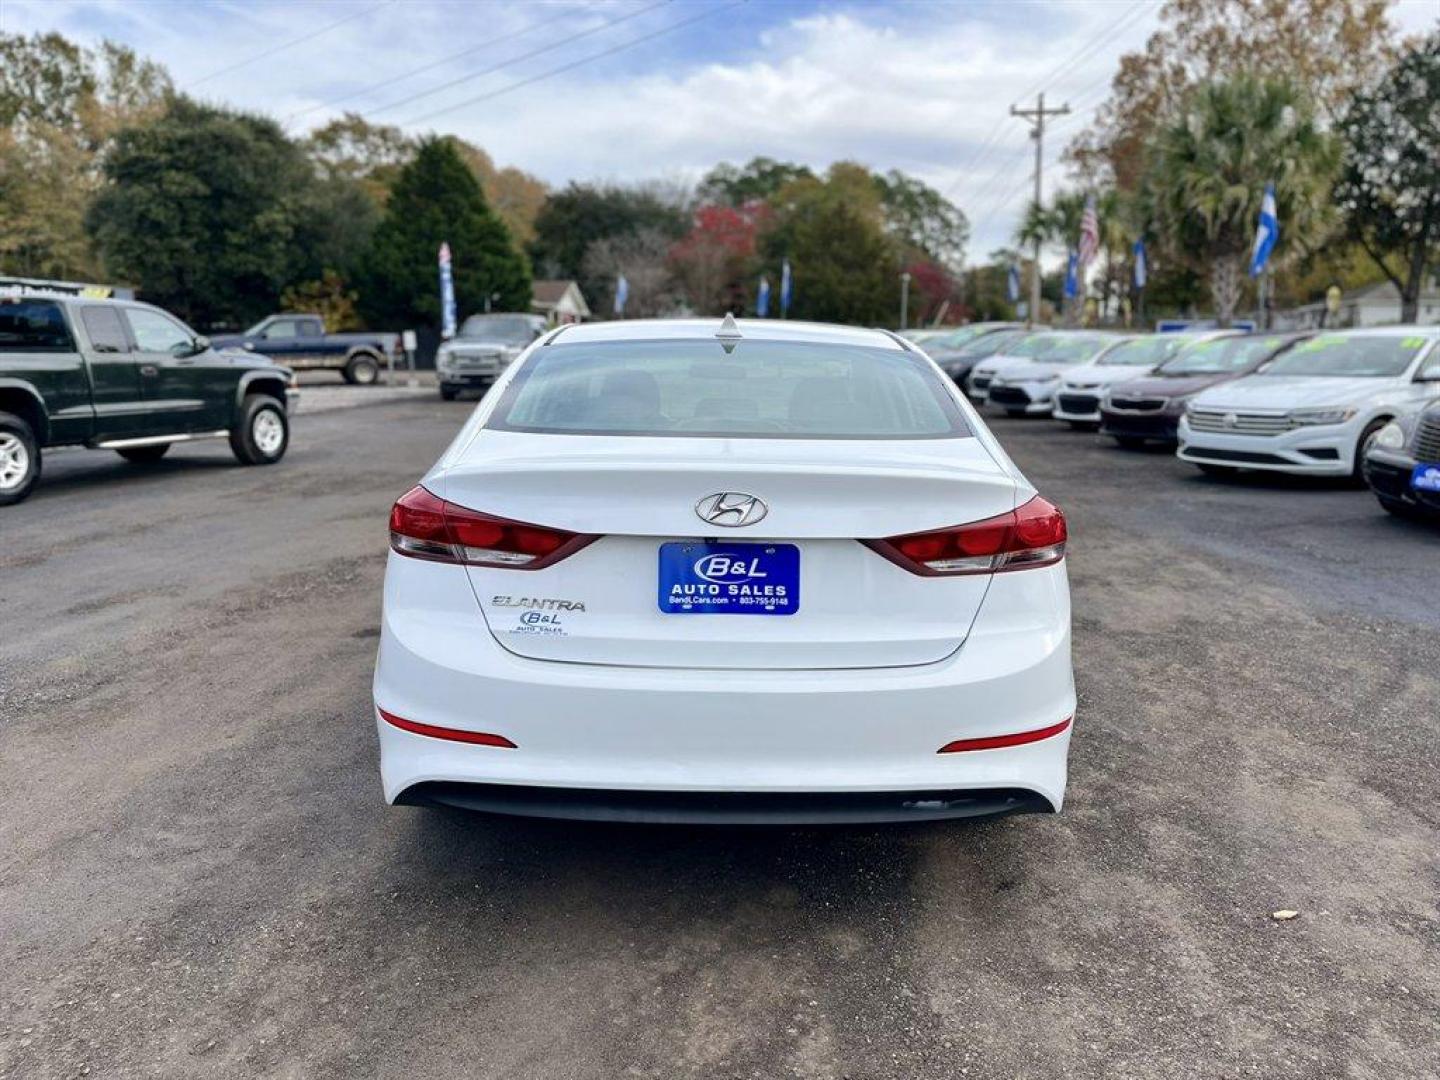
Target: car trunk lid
{"points": [[603, 605]]}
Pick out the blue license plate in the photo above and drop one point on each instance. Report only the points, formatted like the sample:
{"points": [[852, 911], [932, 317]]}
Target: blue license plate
{"points": [[1425, 478], [697, 578]]}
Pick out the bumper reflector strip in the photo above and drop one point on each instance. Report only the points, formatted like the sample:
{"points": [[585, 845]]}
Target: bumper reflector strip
{"points": [[995, 742], [479, 738]]}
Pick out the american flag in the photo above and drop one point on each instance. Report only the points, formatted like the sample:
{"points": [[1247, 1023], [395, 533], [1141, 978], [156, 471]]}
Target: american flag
{"points": [[1089, 232]]}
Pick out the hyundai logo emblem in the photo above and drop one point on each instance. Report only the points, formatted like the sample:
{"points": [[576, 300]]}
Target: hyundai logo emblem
{"points": [[1230, 419], [731, 509]]}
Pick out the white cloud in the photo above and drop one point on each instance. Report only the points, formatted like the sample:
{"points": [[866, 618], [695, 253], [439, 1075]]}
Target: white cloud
{"points": [[924, 86]]}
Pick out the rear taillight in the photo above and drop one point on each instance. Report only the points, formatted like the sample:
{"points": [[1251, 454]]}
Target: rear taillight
{"points": [[1033, 535], [425, 526]]}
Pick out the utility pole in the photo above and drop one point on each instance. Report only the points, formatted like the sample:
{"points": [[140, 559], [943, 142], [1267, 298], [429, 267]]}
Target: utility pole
{"points": [[1037, 115], [905, 300]]}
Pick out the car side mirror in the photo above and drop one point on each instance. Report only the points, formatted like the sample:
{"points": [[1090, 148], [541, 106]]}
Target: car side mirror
{"points": [[1433, 375], [201, 343]]}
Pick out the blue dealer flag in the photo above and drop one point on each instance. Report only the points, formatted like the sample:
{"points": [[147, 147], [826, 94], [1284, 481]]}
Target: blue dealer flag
{"points": [[762, 298], [1012, 283], [1267, 230], [1141, 269], [622, 294], [447, 294], [786, 289], [1072, 275]]}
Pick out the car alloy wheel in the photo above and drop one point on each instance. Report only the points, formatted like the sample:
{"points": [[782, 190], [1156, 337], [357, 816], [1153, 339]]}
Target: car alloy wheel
{"points": [[14, 461], [267, 432]]}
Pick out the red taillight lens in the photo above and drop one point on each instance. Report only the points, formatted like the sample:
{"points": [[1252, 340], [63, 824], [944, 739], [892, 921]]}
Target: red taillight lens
{"points": [[998, 742], [1033, 535], [477, 738], [424, 526]]}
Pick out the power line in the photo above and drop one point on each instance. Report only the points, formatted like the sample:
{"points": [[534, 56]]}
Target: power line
{"points": [[574, 64], [1094, 45], [369, 89], [550, 47], [987, 149], [287, 44]]}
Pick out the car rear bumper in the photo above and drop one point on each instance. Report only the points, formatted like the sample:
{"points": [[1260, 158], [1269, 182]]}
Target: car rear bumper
{"points": [[725, 745], [1317, 451], [725, 808]]}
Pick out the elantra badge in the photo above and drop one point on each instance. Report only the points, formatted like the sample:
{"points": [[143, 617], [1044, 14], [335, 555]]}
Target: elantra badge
{"points": [[731, 509]]}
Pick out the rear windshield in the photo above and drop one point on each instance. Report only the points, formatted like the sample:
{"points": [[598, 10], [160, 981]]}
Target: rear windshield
{"points": [[761, 389], [1223, 356], [1378, 356], [33, 326], [1144, 352]]}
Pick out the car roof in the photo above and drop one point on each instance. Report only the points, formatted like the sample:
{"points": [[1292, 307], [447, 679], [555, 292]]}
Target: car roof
{"points": [[706, 330]]}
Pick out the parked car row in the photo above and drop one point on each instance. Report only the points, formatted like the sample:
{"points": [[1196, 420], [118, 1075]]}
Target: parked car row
{"points": [[1361, 403]]}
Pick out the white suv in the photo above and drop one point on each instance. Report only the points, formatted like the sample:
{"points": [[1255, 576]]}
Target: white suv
{"points": [[1313, 410]]}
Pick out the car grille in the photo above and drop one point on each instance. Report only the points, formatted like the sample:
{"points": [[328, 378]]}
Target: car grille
{"points": [[1221, 422], [476, 361], [1427, 439], [1077, 403], [1008, 395], [1129, 404]]}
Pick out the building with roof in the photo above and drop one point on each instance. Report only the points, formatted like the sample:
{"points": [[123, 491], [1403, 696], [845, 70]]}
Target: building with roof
{"points": [[1373, 305], [560, 302]]}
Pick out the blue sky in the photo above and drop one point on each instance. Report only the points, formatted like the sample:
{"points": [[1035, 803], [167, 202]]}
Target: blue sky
{"points": [[920, 85]]}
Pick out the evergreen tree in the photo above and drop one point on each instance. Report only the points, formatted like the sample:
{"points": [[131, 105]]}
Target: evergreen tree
{"points": [[204, 210], [436, 199]]}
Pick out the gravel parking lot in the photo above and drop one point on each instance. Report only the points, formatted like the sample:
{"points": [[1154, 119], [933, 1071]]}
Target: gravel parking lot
{"points": [[198, 877]]}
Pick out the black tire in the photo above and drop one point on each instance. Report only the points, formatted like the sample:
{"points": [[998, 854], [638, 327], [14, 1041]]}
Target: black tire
{"points": [[144, 455], [362, 370], [19, 459], [1357, 473], [256, 438], [1014, 414], [449, 393], [1084, 425], [1398, 508], [1226, 471], [1129, 442]]}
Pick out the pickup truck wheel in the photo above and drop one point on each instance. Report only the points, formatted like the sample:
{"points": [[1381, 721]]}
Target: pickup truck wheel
{"points": [[362, 371], [262, 433], [19, 459], [143, 455], [449, 393]]}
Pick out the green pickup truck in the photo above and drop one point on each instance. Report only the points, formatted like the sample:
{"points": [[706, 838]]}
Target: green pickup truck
{"points": [[125, 376]]}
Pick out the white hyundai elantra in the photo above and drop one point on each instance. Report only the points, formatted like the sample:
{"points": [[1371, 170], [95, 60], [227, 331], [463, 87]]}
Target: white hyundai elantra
{"points": [[754, 572]]}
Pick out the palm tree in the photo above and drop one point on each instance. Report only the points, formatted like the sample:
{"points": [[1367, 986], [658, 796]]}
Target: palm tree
{"points": [[1057, 224], [1208, 167]]}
